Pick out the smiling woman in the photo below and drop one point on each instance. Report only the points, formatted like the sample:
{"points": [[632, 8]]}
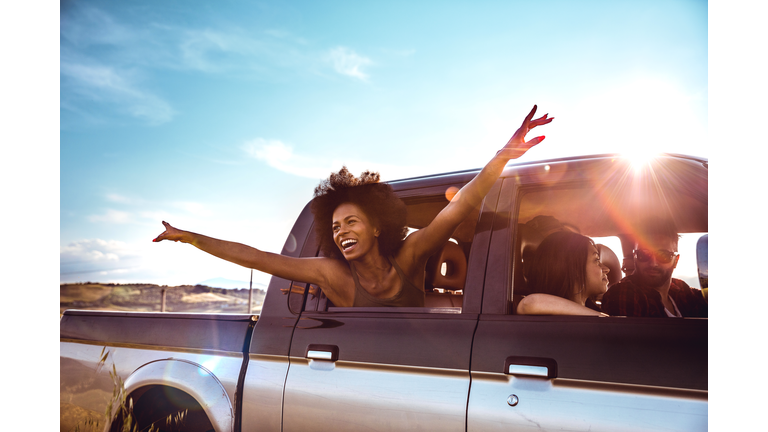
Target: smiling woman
{"points": [[361, 227]]}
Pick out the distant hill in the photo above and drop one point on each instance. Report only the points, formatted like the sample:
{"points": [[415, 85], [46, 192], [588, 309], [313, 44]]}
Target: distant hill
{"points": [[231, 283], [148, 298]]}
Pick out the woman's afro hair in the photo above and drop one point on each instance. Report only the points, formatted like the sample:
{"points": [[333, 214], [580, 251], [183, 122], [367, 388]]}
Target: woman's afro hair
{"points": [[377, 200]]}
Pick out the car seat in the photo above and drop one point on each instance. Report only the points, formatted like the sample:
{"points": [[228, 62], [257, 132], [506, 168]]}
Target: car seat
{"points": [[446, 272], [610, 260]]}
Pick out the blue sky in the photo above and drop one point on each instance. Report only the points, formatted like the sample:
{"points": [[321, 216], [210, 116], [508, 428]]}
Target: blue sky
{"points": [[221, 118]]}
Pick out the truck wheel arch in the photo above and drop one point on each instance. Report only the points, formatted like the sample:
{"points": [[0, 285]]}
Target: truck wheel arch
{"points": [[188, 377]]}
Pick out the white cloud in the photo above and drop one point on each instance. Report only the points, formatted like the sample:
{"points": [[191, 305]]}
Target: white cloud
{"points": [[111, 216], [86, 255], [95, 250], [124, 46], [281, 156], [199, 47], [133, 216], [274, 152], [113, 197], [347, 62], [195, 208], [106, 85], [97, 259]]}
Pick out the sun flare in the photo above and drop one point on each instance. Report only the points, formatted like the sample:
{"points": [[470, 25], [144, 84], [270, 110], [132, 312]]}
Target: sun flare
{"points": [[639, 158]]}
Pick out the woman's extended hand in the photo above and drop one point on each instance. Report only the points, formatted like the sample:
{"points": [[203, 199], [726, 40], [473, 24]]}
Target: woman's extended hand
{"points": [[170, 233], [517, 146], [313, 290]]}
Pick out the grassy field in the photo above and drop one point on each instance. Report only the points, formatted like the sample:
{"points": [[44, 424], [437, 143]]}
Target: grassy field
{"points": [[148, 298]]}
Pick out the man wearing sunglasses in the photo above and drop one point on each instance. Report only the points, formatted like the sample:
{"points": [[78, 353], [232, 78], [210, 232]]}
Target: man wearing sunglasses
{"points": [[651, 291]]}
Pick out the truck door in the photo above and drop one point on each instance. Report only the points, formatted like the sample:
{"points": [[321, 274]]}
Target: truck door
{"points": [[263, 383], [388, 369], [576, 372]]}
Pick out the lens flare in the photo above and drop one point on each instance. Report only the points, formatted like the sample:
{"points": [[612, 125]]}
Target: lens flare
{"points": [[290, 243], [209, 364], [451, 193]]}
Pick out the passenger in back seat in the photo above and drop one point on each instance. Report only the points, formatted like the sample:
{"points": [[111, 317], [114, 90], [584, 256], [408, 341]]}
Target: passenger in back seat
{"points": [[565, 272]]}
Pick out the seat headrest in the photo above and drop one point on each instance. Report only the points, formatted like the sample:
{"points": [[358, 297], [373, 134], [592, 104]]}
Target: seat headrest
{"points": [[610, 260], [528, 239], [455, 268]]}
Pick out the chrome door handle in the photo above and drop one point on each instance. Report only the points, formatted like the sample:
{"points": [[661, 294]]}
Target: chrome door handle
{"points": [[322, 352], [531, 366]]}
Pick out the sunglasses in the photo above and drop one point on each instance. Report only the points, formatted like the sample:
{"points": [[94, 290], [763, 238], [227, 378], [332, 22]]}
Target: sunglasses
{"points": [[661, 255]]}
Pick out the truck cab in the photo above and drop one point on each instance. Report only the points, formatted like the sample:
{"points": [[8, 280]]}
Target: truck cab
{"points": [[466, 361]]}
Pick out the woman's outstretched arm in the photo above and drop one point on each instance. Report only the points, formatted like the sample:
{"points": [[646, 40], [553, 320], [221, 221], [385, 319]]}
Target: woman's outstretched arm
{"points": [[429, 240], [311, 270], [547, 304]]}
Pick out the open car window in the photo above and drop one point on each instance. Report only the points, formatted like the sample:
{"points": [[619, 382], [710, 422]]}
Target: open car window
{"points": [[445, 272], [610, 219]]}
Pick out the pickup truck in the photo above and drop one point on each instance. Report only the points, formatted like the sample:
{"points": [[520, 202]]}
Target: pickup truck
{"points": [[464, 362]]}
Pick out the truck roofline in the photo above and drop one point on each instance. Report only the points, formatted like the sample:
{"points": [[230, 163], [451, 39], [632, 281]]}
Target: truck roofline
{"points": [[544, 161]]}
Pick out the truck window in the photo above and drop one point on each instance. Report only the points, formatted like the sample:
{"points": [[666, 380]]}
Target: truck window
{"points": [[593, 212], [445, 272]]}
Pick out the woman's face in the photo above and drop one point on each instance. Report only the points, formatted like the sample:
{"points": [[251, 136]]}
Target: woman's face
{"points": [[353, 232], [596, 272]]}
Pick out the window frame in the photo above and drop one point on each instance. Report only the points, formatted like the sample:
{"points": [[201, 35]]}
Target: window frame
{"points": [[476, 262]]}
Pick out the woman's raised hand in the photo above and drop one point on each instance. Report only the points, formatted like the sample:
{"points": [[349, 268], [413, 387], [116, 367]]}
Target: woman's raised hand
{"points": [[517, 146], [170, 233]]}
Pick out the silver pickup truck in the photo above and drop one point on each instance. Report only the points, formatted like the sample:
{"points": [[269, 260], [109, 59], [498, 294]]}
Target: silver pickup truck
{"points": [[464, 362]]}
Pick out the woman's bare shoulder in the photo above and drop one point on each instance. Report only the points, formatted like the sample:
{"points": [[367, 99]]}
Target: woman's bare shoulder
{"points": [[338, 285]]}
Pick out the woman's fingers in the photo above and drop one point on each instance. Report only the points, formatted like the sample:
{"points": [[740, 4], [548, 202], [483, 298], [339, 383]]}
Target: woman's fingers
{"points": [[518, 139], [540, 121], [528, 124], [165, 234], [529, 116], [532, 142]]}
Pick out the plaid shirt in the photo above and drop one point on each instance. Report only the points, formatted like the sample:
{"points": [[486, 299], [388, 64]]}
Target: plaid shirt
{"points": [[629, 298]]}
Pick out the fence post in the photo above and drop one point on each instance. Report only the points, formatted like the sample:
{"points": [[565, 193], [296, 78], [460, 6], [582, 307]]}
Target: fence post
{"points": [[250, 294]]}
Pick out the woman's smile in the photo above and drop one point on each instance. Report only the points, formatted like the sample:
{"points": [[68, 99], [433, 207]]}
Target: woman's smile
{"points": [[348, 244]]}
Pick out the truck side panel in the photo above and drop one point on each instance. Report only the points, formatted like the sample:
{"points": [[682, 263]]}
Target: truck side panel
{"points": [[132, 340]]}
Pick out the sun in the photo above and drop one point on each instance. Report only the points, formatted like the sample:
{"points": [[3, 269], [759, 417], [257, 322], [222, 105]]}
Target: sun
{"points": [[640, 158]]}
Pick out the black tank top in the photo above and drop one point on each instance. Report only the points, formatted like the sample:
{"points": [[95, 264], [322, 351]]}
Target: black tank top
{"points": [[409, 295]]}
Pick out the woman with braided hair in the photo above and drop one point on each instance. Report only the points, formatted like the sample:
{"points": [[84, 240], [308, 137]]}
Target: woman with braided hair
{"points": [[360, 224]]}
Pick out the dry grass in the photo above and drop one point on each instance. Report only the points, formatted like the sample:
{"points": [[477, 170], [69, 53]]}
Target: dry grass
{"points": [[119, 408], [148, 298], [83, 292]]}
